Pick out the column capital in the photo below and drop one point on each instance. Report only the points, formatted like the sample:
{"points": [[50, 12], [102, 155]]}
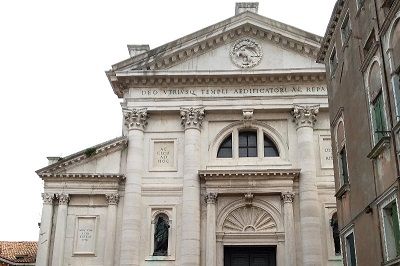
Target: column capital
{"points": [[287, 197], [211, 198], [305, 115], [112, 199], [47, 198], [135, 118], [192, 117], [63, 198]]}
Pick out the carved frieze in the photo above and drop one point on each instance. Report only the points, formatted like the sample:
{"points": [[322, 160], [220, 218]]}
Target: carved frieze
{"points": [[252, 219], [135, 118], [246, 53], [192, 117], [305, 116], [112, 199]]}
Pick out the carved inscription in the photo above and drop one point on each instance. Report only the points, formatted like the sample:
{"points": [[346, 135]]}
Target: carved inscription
{"points": [[230, 92], [326, 152], [163, 155], [85, 237]]}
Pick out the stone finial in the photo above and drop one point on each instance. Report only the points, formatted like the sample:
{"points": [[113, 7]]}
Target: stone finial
{"points": [[135, 118], [63, 198], [137, 49], [242, 7], [112, 199], [192, 117], [287, 197], [211, 198], [47, 198], [305, 116]]}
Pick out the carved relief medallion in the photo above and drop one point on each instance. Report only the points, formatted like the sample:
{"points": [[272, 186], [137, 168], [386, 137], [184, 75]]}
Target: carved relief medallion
{"points": [[246, 53]]}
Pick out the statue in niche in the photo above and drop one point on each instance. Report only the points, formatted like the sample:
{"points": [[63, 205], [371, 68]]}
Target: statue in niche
{"points": [[161, 237]]}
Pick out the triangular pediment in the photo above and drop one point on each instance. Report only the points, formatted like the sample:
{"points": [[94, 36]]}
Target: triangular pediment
{"points": [[204, 49], [101, 160]]}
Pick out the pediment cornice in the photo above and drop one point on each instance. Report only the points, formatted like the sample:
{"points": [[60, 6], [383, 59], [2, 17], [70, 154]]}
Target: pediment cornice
{"points": [[83, 156], [244, 25], [158, 58], [86, 177]]}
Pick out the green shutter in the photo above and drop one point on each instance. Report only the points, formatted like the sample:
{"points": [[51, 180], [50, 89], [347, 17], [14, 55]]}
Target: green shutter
{"points": [[396, 228], [378, 117]]}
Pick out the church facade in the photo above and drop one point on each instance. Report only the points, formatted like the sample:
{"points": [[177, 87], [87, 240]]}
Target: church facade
{"points": [[225, 158]]}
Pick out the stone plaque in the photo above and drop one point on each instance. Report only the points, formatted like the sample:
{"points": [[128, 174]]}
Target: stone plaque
{"points": [[163, 154], [85, 235], [326, 152]]}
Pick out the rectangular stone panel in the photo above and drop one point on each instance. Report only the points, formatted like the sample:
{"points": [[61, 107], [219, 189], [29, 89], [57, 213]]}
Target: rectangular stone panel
{"points": [[326, 152], [162, 153], [85, 235]]}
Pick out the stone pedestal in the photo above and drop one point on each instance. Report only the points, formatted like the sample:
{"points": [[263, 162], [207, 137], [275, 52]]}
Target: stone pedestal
{"points": [[190, 242], [61, 223], [310, 221], [290, 241], [135, 120], [42, 257], [211, 241], [109, 245]]}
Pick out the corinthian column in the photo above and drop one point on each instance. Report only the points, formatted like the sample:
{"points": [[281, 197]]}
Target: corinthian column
{"points": [[42, 257], [109, 255], [211, 239], [190, 243], [290, 247], [136, 121], [59, 238], [310, 221]]}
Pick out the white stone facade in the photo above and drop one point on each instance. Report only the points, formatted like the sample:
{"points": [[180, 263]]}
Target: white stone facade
{"points": [[180, 102]]}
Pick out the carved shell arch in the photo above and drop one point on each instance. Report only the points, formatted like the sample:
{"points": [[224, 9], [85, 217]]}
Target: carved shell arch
{"points": [[249, 219], [265, 206]]}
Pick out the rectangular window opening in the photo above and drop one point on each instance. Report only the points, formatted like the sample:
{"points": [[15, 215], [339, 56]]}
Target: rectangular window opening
{"points": [[391, 230], [345, 29], [333, 62], [344, 177], [378, 117], [350, 250]]}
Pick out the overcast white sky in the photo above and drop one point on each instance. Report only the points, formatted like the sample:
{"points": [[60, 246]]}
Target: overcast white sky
{"points": [[55, 97]]}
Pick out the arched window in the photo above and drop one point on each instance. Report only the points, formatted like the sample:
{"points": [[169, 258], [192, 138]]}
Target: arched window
{"points": [[335, 233], [225, 150], [248, 144], [270, 149], [161, 234]]}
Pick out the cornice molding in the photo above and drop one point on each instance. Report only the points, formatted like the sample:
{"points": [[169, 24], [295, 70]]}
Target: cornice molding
{"points": [[123, 83], [330, 30], [82, 176], [87, 154], [242, 173]]}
